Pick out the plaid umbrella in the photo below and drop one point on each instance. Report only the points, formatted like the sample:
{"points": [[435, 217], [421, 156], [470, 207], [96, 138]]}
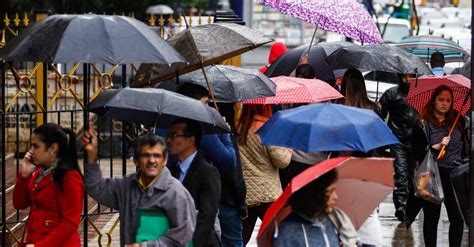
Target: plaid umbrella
{"points": [[202, 46], [292, 90], [424, 46], [346, 17], [420, 92]]}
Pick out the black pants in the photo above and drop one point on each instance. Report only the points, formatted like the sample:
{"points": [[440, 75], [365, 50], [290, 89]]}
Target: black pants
{"points": [[403, 174], [432, 213], [249, 223]]}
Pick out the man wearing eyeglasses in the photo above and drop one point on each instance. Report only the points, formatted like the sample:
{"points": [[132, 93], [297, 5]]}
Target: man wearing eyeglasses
{"points": [[200, 178], [152, 189]]}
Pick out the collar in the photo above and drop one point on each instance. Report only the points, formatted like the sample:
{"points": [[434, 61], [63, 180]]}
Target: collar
{"points": [[438, 71], [185, 164], [160, 182]]}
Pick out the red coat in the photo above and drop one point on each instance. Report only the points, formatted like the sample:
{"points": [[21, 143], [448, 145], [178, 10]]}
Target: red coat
{"points": [[54, 216]]}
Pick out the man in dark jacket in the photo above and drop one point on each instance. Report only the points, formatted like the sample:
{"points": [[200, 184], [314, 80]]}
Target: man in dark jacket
{"points": [[201, 179], [221, 151], [402, 120]]}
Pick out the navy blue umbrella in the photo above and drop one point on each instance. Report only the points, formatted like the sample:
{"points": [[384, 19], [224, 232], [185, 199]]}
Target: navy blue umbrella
{"points": [[327, 127]]}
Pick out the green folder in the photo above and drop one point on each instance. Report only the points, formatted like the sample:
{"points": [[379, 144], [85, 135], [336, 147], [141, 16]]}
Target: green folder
{"points": [[152, 223]]}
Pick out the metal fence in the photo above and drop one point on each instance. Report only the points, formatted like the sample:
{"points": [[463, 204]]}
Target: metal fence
{"points": [[36, 93]]}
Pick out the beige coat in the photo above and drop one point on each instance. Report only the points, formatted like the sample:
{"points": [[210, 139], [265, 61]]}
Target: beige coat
{"points": [[260, 166]]}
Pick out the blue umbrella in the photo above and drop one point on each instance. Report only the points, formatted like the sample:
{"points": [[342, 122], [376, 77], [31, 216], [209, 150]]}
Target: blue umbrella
{"points": [[327, 127]]}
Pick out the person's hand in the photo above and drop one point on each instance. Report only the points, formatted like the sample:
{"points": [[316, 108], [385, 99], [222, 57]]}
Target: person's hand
{"points": [[378, 104], [445, 141], [304, 59], [89, 142], [27, 168], [228, 125], [243, 214], [30, 245]]}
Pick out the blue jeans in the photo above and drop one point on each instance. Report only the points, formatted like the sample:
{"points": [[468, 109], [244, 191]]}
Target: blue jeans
{"points": [[231, 227]]}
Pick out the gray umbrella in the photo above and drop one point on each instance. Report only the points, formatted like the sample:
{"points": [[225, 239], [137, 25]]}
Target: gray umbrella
{"points": [[230, 84], [160, 9], [91, 39], [465, 70], [202, 46], [378, 58], [156, 107]]}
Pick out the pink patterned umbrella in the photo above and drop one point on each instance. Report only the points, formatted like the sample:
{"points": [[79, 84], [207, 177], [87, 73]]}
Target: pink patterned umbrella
{"points": [[292, 90], [346, 17], [420, 93]]}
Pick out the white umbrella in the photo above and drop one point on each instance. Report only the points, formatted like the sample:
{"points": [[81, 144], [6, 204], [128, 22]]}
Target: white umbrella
{"points": [[160, 9]]}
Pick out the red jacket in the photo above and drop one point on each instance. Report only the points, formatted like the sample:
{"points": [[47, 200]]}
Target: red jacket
{"points": [[54, 216]]}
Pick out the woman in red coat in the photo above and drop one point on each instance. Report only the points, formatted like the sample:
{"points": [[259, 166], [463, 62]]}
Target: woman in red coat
{"points": [[51, 184]]}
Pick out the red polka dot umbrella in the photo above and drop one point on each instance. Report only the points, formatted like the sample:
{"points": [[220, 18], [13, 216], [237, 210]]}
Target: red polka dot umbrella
{"points": [[420, 92], [292, 90]]}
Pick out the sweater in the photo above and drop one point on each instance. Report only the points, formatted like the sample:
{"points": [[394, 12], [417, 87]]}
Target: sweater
{"points": [[260, 166]]}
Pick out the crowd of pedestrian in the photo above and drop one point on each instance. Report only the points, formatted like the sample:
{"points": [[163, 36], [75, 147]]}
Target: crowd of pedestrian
{"points": [[211, 189]]}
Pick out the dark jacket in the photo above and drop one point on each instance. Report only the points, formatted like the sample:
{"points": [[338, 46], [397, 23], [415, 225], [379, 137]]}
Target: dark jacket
{"points": [[402, 121], [220, 151], [402, 117], [421, 140], [420, 148], [204, 184]]}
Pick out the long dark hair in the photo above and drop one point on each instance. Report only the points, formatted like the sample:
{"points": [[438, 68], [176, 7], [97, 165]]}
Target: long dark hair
{"points": [[312, 199], [428, 111], [50, 133], [246, 119], [353, 88]]}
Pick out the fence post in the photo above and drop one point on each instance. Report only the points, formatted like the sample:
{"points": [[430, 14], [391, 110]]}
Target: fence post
{"points": [[41, 81]]}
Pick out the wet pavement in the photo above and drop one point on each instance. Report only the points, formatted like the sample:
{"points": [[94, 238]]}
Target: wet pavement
{"points": [[396, 234]]}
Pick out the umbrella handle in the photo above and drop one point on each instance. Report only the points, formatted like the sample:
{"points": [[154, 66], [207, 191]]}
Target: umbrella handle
{"points": [[209, 86], [442, 152], [314, 36]]}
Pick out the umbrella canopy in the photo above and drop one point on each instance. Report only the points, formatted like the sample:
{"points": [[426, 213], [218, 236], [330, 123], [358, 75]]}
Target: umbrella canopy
{"points": [[230, 84], [359, 192], [378, 58], [424, 46], [345, 17], [156, 107], [326, 127], [465, 70], [288, 62], [420, 92], [292, 90], [90, 39], [202, 46], [160, 9]]}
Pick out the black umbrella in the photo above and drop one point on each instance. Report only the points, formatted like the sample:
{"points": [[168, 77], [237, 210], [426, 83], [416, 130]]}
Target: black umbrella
{"points": [[202, 46], [156, 107], [288, 62], [90, 39], [230, 84], [378, 58]]}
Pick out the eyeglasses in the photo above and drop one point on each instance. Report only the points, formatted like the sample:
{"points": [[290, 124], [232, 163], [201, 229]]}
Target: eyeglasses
{"points": [[172, 135], [149, 155]]}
